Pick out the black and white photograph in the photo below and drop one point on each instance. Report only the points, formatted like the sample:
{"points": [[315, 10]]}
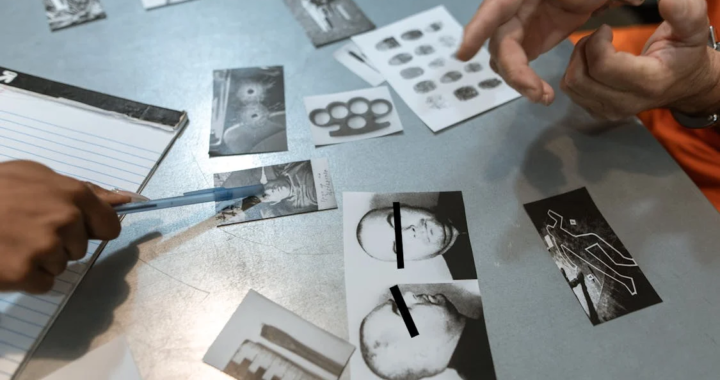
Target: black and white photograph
{"points": [[293, 188], [263, 340], [327, 21], [150, 4], [605, 278], [352, 116], [248, 114], [65, 13], [452, 341], [435, 240]]}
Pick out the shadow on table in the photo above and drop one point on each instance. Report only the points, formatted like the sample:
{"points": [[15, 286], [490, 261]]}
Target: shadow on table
{"points": [[89, 312], [577, 151]]}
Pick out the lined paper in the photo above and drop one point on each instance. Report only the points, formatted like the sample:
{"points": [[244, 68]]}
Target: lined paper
{"points": [[89, 146]]}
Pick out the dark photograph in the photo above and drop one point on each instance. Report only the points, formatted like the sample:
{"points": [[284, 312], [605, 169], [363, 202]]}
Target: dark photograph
{"points": [[434, 233], [65, 13], [248, 113], [294, 188], [605, 278], [327, 21], [452, 340], [265, 341]]}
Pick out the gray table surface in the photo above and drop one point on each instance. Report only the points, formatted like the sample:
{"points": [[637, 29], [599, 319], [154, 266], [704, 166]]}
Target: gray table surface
{"points": [[172, 280]]}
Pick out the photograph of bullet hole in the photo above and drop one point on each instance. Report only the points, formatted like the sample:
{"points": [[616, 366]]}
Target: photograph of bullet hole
{"points": [[434, 27], [400, 59], [473, 67], [448, 41], [466, 93], [437, 63], [424, 50], [387, 44], [411, 72], [451, 77], [489, 84], [412, 35], [248, 111], [424, 87]]}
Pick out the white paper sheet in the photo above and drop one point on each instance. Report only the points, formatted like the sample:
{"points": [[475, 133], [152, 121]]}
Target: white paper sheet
{"points": [[112, 361], [353, 58], [88, 146], [322, 134], [416, 56]]}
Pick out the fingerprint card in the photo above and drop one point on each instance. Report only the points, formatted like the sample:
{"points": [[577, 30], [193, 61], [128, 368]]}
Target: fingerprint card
{"points": [[352, 116], [417, 57]]}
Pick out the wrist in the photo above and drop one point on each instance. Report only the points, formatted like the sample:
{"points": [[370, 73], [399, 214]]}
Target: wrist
{"points": [[705, 99]]}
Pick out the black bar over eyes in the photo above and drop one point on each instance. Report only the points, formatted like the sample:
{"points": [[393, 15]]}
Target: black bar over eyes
{"points": [[404, 312], [398, 236]]}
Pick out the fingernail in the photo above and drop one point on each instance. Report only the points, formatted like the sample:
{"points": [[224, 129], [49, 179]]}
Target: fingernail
{"points": [[546, 99], [134, 197]]}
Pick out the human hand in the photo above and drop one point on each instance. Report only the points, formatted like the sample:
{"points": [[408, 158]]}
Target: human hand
{"points": [[522, 30], [676, 68], [46, 220]]}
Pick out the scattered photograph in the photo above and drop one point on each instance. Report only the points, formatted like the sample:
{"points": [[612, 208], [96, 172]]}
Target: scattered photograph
{"points": [[327, 21], [294, 188], [435, 239], [605, 278], [416, 57], [263, 340], [354, 59], [65, 13], [149, 4], [352, 116], [452, 340], [248, 114]]}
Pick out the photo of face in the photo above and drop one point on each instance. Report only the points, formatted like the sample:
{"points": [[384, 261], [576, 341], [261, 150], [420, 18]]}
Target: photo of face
{"points": [[433, 230], [452, 341], [386, 346], [424, 236]]}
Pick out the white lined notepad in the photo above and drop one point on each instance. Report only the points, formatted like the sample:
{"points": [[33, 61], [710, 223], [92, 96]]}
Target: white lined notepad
{"points": [[112, 152]]}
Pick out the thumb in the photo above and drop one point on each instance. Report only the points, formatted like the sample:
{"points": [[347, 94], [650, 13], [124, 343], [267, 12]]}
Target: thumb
{"points": [[116, 197], [688, 20]]}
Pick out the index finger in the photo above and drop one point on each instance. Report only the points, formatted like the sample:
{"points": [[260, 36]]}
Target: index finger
{"points": [[101, 221], [487, 19]]}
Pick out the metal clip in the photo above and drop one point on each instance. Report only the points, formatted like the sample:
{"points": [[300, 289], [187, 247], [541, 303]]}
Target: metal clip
{"points": [[712, 40]]}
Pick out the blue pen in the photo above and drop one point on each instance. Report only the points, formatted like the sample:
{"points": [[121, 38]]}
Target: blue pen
{"points": [[218, 194]]}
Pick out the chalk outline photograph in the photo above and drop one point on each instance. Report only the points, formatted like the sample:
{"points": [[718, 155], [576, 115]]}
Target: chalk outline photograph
{"points": [[264, 339], [460, 350], [66, 13], [248, 114], [605, 278], [290, 189], [327, 21]]}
